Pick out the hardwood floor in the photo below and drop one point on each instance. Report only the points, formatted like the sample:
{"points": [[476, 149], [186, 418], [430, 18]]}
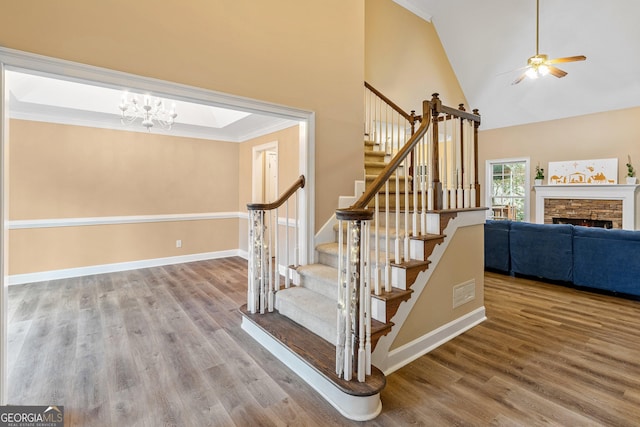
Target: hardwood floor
{"points": [[163, 346]]}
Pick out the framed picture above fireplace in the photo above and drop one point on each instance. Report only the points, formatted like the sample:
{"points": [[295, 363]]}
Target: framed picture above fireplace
{"points": [[597, 171]]}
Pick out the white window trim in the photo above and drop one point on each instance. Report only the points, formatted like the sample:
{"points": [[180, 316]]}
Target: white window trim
{"points": [[527, 182]]}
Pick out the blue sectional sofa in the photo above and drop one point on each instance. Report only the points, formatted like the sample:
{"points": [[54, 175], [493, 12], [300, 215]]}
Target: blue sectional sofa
{"points": [[607, 259], [590, 257], [496, 245]]}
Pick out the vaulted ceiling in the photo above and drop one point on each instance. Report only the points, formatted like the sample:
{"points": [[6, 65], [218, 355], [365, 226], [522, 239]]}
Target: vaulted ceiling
{"points": [[488, 43]]}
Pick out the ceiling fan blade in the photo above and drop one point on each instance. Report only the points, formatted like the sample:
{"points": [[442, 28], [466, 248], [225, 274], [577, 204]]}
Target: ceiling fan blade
{"points": [[556, 71], [567, 59], [519, 79]]}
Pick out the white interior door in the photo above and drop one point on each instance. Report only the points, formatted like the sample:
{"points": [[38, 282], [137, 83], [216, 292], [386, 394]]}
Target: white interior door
{"points": [[270, 178]]}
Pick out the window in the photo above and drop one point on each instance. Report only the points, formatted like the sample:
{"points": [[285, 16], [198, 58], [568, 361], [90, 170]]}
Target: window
{"points": [[507, 184]]}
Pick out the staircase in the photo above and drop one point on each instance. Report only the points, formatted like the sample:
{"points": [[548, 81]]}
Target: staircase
{"points": [[304, 330]]}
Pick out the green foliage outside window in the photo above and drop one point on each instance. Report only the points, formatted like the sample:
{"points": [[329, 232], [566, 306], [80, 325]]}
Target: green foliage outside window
{"points": [[508, 190]]}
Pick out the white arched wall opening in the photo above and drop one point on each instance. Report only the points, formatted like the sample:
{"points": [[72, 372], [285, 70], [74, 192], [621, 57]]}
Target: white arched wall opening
{"points": [[17, 60]]}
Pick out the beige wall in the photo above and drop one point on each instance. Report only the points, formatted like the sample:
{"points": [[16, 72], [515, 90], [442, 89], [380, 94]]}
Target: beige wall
{"points": [[463, 261], [612, 134], [404, 58], [61, 171], [307, 55], [47, 249]]}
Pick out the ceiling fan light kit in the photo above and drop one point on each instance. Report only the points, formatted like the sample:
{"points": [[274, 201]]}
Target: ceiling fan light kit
{"points": [[540, 65]]}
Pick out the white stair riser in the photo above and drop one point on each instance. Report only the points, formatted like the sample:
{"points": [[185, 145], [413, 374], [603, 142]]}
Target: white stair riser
{"points": [[320, 286], [379, 310]]}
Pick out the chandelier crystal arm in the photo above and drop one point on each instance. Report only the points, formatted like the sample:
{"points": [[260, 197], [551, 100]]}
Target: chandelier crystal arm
{"points": [[150, 111]]}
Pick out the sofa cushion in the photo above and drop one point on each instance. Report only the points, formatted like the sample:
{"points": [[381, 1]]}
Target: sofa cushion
{"points": [[607, 259], [496, 245], [542, 250]]}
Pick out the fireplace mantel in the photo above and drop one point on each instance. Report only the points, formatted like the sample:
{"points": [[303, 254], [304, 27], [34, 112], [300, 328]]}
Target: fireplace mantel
{"points": [[627, 193]]}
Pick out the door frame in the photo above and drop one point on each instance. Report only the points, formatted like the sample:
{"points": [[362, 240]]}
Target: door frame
{"points": [[257, 169], [11, 59]]}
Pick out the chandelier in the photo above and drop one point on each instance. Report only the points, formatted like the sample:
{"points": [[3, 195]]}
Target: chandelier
{"points": [[151, 110]]}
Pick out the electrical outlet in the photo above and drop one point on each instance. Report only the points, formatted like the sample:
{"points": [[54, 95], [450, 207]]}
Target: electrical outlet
{"points": [[178, 243]]}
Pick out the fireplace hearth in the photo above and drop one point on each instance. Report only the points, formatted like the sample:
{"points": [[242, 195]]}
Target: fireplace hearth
{"points": [[584, 222]]}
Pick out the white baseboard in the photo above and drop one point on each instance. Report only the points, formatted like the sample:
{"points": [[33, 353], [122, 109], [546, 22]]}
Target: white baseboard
{"points": [[41, 276], [409, 352]]}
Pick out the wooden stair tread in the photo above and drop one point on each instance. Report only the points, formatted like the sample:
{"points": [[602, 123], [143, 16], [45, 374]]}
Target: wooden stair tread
{"points": [[372, 177], [427, 237], [374, 163], [394, 294], [315, 351], [444, 211], [377, 327], [412, 263]]}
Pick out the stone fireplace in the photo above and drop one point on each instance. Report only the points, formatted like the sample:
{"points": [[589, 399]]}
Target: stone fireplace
{"points": [[589, 204]]}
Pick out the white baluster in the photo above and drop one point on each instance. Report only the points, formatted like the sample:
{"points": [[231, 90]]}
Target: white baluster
{"points": [[287, 279], [348, 360], [341, 311], [387, 251]]}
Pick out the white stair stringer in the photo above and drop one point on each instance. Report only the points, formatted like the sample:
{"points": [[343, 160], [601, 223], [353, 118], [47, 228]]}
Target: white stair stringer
{"points": [[390, 361]]}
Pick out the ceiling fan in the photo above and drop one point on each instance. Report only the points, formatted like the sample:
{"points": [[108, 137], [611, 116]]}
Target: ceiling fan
{"points": [[540, 64]]}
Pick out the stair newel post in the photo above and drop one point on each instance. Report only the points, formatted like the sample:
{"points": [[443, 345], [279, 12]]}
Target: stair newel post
{"points": [[353, 308], [252, 282], [435, 189], [476, 184], [258, 276]]}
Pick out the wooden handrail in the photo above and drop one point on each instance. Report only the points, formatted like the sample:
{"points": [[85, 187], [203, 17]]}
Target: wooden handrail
{"points": [[360, 205], [391, 104], [299, 183]]}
